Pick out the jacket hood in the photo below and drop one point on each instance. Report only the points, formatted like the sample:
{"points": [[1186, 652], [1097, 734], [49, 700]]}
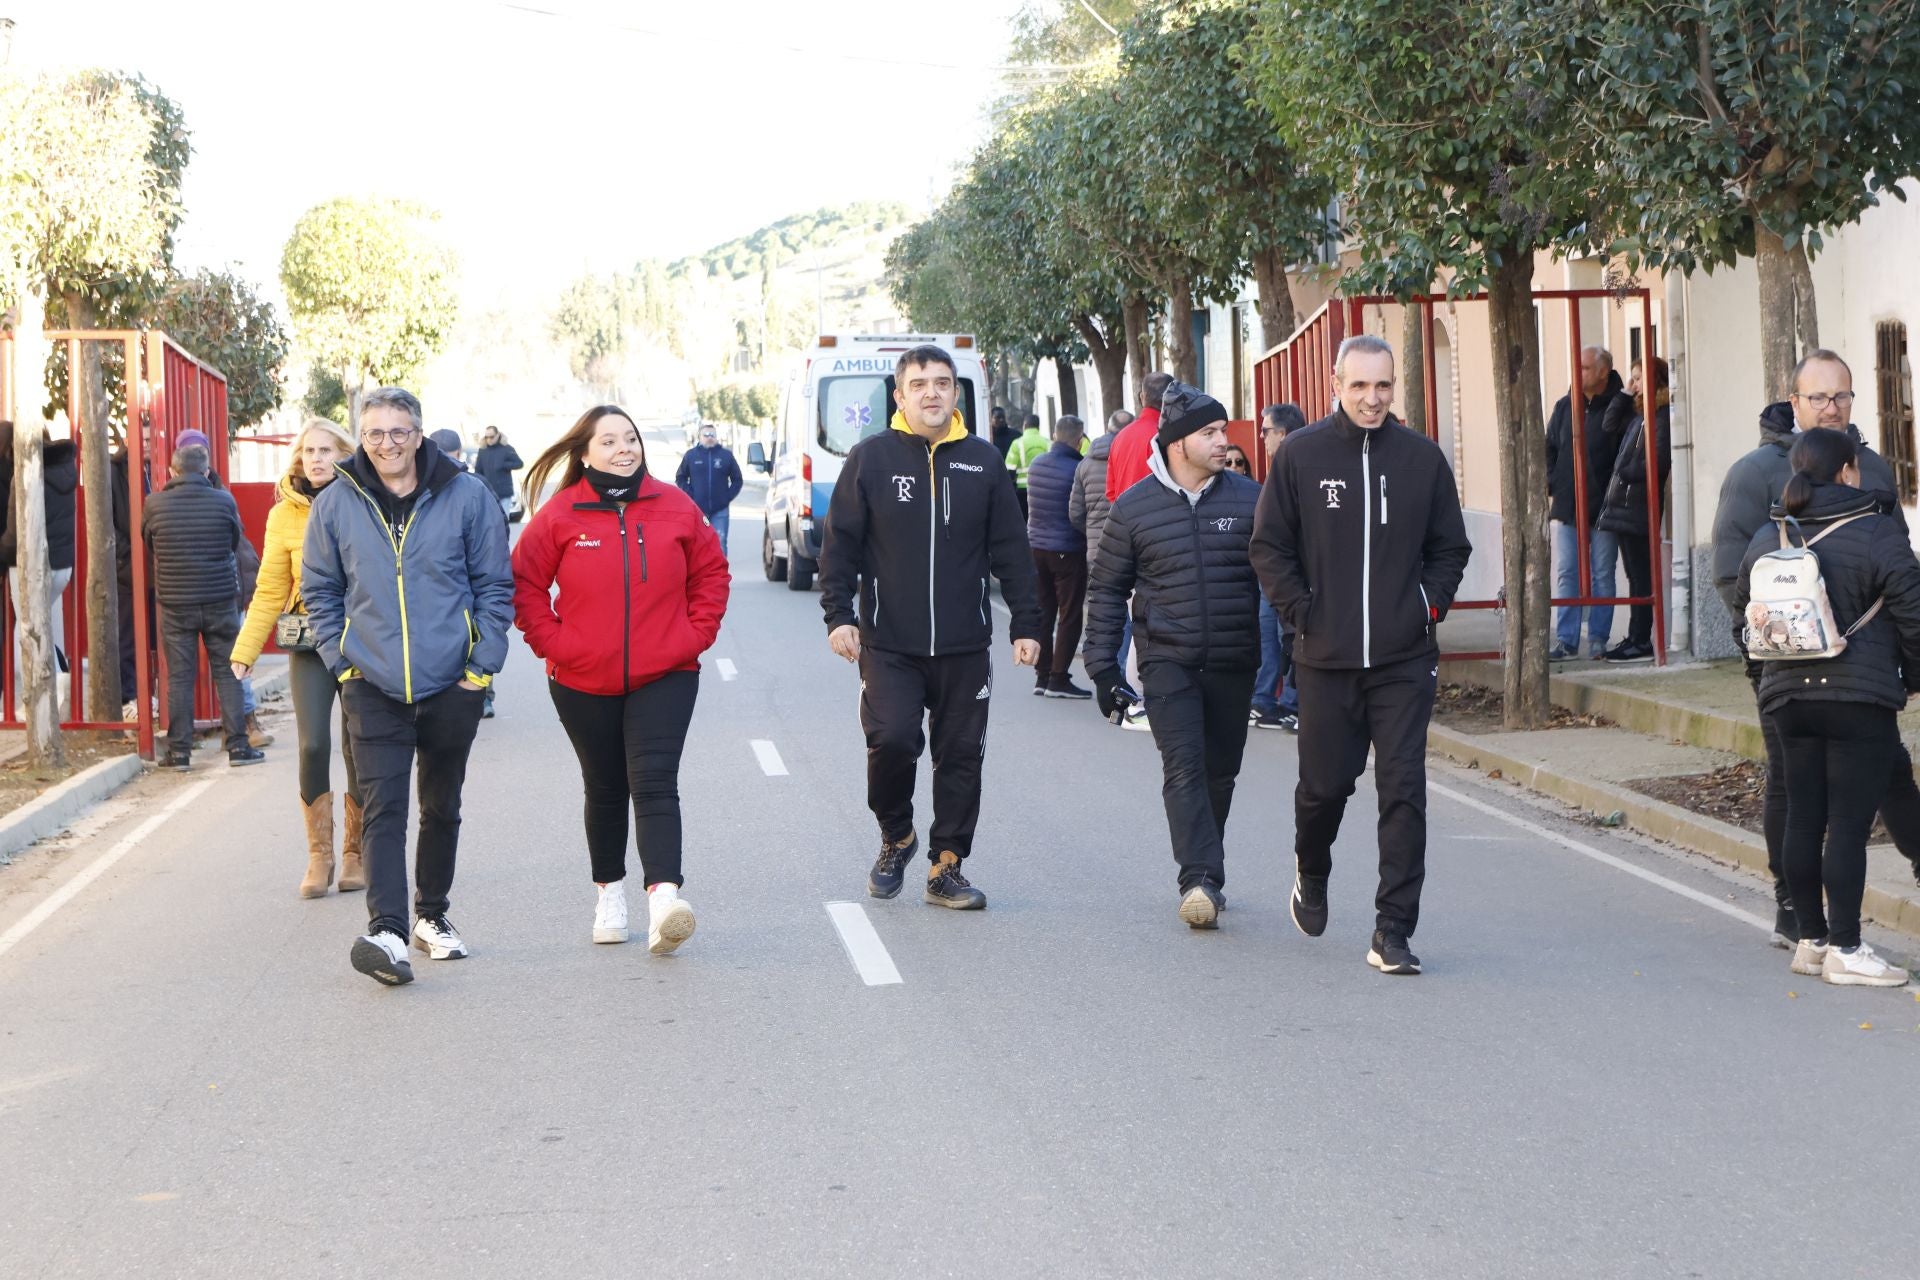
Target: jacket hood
{"points": [[1777, 426], [437, 470], [1157, 468], [1831, 501], [287, 493], [1613, 388], [1102, 447], [62, 472]]}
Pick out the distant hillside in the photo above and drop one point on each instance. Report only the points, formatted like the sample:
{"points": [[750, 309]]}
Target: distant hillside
{"points": [[799, 235]]}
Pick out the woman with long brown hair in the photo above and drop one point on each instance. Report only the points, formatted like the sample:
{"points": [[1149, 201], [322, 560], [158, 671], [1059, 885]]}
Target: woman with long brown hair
{"points": [[642, 588]]}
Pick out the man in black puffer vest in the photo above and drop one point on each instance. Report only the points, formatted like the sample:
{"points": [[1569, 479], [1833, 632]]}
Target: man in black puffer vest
{"points": [[193, 531], [1360, 546], [1177, 543]]}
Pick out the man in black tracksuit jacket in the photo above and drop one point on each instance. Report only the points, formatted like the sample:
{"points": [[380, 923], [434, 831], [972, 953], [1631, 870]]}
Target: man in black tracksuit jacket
{"points": [[920, 515], [1360, 546], [1177, 543]]}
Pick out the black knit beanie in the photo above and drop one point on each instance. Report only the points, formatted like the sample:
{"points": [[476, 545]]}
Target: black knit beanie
{"points": [[1184, 410]]}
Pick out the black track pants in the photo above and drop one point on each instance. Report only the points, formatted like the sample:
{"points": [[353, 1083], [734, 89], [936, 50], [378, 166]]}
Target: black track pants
{"points": [[1342, 713], [629, 747], [1199, 722], [1838, 758], [952, 693]]}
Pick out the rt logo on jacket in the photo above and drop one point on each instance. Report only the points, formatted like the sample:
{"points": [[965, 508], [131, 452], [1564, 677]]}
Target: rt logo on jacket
{"points": [[903, 488], [1332, 489]]}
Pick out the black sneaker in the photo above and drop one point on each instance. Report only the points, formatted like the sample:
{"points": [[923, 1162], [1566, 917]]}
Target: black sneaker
{"points": [[1628, 651], [1310, 904], [946, 887], [245, 755], [1064, 687], [1786, 927], [1040, 686], [1269, 719], [1391, 954], [1291, 723], [1562, 653], [179, 760], [1201, 905], [889, 869]]}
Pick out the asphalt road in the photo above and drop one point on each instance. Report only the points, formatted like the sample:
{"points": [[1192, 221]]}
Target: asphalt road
{"points": [[1597, 1075]]}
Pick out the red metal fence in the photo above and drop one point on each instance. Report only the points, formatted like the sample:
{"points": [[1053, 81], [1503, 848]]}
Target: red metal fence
{"points": [[1300, 370]]}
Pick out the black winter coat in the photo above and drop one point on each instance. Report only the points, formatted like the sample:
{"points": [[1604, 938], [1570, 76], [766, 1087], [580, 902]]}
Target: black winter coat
{"points": [[1049, 492], [62, 477], [1625, 509], [192, 531], [1359, 543], [913, 530], [495, 464], [1602, 446], [1860, 562], [1184, 561]]}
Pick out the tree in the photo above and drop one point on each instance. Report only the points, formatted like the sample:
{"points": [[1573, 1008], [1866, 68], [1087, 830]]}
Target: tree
{"points": [[84, 201], [372, 289], [221, 319], [1750, 127], [591, 323], [1451, 130]]}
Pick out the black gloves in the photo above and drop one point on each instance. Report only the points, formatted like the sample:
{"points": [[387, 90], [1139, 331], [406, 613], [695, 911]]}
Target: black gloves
{"points": [[1111, 694]]}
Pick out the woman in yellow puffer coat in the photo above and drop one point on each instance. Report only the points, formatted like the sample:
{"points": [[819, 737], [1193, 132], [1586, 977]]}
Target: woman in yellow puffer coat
{"points": [[320, 445]]}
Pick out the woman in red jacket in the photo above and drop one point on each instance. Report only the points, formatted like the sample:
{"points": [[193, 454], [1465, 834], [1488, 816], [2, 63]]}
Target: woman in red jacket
{"points": [[643, 585]]}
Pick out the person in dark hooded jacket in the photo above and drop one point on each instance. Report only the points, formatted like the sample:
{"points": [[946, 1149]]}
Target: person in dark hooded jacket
{"points": [[1822, 399], [1600, 389], [1624, 512], [1059, 559], [1836, 715]]}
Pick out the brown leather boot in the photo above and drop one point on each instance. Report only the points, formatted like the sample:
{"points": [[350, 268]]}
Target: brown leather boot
{"points": [[353, 870], [319, 847]]}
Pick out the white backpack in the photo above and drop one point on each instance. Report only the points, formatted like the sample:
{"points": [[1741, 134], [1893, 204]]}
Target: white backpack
{"points": [[1788, 614]]}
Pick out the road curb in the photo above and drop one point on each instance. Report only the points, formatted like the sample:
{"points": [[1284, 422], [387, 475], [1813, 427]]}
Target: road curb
{"points": [[1718, 840], [54, 810]]}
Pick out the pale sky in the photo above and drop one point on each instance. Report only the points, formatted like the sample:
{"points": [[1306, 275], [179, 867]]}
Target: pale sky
{"points": [[554, 135]]}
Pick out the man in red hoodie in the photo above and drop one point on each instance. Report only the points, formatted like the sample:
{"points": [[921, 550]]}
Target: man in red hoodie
{"points": [[1127, 460]]}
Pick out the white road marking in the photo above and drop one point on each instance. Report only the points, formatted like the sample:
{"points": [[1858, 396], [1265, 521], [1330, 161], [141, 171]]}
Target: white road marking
{"points": [[1618, 864], [98, 867], [864, 948], [769, 756], [726, 668]]}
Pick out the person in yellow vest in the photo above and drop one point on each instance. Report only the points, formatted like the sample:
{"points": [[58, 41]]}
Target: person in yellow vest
{"points": [[1020, 456], [320, 445]]}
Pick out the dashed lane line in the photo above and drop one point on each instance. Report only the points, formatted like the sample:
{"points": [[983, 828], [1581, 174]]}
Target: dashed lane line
{"points": [[98, 867], [1607, 859], [726, 668], [864, 948], [769, 756]]}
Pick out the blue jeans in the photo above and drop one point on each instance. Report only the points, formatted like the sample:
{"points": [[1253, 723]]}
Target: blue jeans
{"points": [[247, 703], [1268, 676], [720, 520], [1126, 641], [1603, 551]]}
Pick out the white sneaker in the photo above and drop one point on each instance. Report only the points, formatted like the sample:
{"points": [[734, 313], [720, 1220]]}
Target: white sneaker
{"points": [[382, 956], [1860, 967], [435, 936], [669, 919], [1136, 719], [1808, 957], [610, 913]]}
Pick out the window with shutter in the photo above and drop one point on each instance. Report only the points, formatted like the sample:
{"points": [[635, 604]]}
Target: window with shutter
{"points": [[1895, 370]]}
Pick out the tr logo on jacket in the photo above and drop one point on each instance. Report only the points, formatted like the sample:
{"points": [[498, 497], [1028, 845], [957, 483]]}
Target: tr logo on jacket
{"points": [[1359, 542], [642, 589], [919, 553]]}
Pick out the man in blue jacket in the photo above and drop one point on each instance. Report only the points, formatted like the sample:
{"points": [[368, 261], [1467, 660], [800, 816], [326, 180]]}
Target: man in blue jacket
{"points": [[1059, 559], [408, 586], [710, 476]]}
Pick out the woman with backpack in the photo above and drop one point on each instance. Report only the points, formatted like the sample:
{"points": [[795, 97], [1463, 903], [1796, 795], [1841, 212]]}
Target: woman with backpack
{"points": [[1835, 713]]}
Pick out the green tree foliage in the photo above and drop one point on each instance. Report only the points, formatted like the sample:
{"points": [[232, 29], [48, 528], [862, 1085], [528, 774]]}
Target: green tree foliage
{"points": [[1064, 32], [791, 237], [1751, 127], [742, 403], [220, 318], [1453, 133], [372, 288]]}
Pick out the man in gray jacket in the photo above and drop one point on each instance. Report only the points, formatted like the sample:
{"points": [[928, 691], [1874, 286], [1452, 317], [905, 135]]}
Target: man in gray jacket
{"points": [[1087, 505], [1822, 400], [408, 585]]}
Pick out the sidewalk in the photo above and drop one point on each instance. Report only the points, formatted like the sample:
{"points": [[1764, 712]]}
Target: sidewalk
{"points": [[1679, 721]]}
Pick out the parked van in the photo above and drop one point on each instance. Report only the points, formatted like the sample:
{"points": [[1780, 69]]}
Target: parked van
{"points": [[842, 394]]}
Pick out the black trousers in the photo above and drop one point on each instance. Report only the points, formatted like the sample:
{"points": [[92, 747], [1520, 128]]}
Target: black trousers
{"points": [[1634, 549], [952, 692], [1199, 722], [387, 736], [314, 690], [1342, 713], [1062, 579], [1838, 757], [183, 629], [629, 747]]}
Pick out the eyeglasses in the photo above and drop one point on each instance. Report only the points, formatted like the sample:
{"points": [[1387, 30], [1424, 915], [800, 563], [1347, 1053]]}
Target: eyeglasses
{"points": [[1238, 465], [399, 435], [1821, 399], [1273, 431]]}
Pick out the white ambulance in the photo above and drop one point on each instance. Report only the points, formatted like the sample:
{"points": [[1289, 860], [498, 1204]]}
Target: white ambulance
{"points": [[839, 396]]}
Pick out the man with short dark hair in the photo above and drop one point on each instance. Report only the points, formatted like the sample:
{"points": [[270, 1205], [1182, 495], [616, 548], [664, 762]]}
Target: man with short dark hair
{"points": [[1821, 400], [1360, 545], [410, 593], [193, 533], [1600, 390], [1271, 710], [920, 516], [709, 475], [1059, 559]]}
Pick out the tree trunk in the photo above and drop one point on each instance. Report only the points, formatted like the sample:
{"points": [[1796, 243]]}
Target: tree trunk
{"points": [[1526, 557], [1278, 317], [1109, 361], [1789, 324], [1135, 315], [1069, 389], [33, 624], [104, 695], [1413, 367], [1184, 358]]}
